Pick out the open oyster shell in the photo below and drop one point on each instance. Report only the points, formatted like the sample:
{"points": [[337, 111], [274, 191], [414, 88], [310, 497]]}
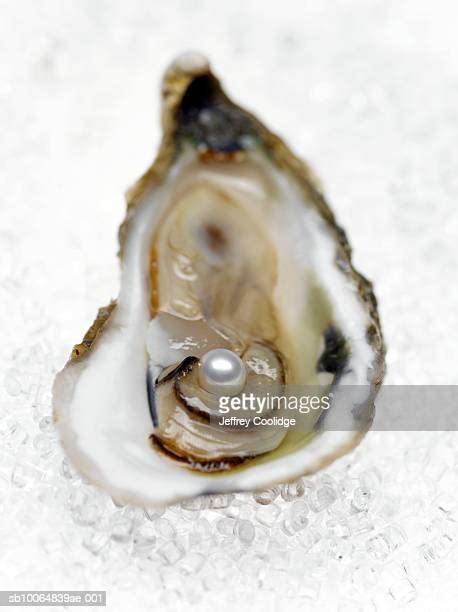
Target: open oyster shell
{"points": [[227, 243]]}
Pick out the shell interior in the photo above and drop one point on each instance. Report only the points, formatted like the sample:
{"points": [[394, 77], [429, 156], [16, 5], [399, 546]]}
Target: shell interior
{"points": [[228, 243]]}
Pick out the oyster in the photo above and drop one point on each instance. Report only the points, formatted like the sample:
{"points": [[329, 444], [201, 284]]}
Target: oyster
{"points": [[228, 249]]}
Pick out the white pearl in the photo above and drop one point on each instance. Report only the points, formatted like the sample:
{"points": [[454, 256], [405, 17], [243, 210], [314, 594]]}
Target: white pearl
{"points": [[222, 372]]}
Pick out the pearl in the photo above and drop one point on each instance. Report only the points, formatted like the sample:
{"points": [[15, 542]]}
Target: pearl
{"points": [[222, 372]]}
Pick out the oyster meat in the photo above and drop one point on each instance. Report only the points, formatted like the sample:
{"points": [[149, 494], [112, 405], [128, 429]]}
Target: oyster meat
{"points": [[230, 258]]}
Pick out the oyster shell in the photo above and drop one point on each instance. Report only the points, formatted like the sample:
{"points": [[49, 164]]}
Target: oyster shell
{"points": [[228, 243]]}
